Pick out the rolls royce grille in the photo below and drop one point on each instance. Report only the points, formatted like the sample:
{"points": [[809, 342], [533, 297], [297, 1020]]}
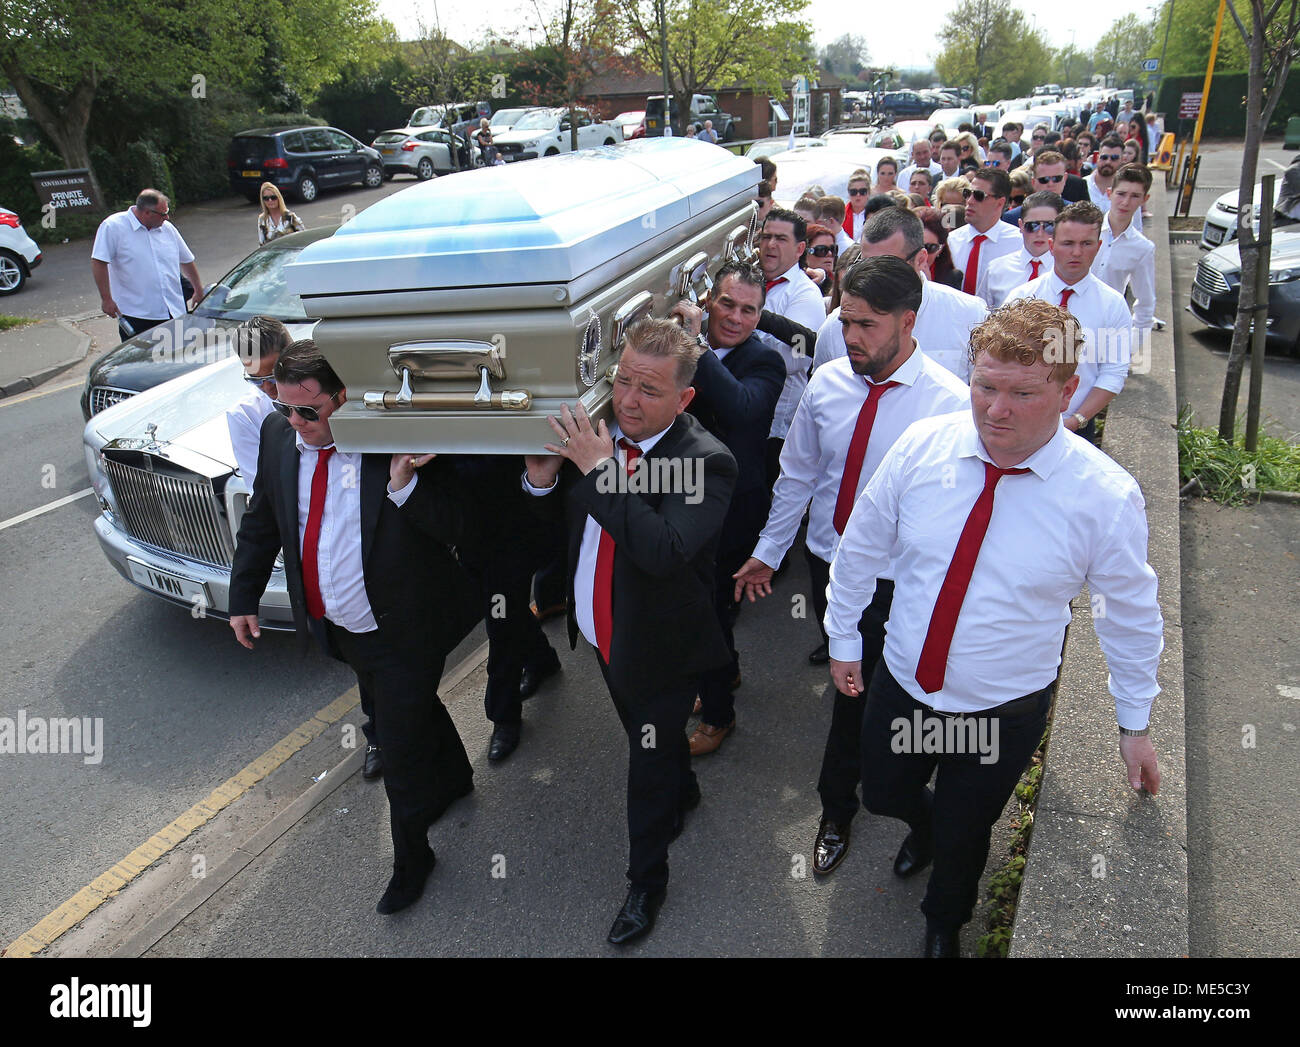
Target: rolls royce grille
{"points": [[171, 509], [1210, 278], [102, 396]]}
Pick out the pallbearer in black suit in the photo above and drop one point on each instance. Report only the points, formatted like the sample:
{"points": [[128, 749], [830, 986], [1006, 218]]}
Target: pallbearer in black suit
{"points": [[738, 381], [646, 499], [369, 571]]}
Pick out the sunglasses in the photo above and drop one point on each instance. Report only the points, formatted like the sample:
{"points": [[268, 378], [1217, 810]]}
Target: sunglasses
{"points": [[979, 194], [259, 379], [1034, 227], [1109, 156], [269, 199], [822, 250], [933, 248], [1049, 179], [859, 192], [307, 414], [1017, 199]]}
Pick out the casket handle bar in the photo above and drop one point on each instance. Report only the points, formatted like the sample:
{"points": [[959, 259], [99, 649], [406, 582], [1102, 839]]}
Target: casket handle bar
{"points": [[506, 400], [634, 309], [694, 270], [737, 246], [446, 359]]}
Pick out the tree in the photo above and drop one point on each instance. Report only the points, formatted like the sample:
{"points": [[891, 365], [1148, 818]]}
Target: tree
{"points": [[58, 55], [990, 47], [845, 56], [1071, 67], [1189, 40], [1121, 49], [711, 43], [1273, 43]]}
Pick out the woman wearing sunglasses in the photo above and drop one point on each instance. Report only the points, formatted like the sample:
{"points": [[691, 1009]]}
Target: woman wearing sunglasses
{"points": [[275, 220], [819, 259], [938, 259]]}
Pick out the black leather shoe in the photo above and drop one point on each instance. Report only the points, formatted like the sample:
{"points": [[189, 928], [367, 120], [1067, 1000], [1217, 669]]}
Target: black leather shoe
{"points": [[374, 767], [505, 740], [637, 917], [406, 886], [831, 846], [531, 679], [912, 857], [819, 656], [940, 944]]}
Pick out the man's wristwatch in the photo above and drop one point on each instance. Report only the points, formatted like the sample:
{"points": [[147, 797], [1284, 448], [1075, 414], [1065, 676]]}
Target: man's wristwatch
{"points": [[1079, 420], [702, 341], [1128, 732]]}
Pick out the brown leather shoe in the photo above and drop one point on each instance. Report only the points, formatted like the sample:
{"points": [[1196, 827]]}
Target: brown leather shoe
{"points": [[707, 739], [831, 846]]}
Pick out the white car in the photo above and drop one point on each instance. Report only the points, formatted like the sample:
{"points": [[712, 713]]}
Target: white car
{"points": [[1221, 219], [546, 132], [630, 122], [19, 253], [771, 146], [951, 119], [798, 170]]}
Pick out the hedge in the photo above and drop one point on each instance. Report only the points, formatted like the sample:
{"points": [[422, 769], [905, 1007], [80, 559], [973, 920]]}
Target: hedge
{"points": [[1225, 116]]}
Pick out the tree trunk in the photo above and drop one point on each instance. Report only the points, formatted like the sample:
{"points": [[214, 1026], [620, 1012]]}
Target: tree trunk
{"points": [[66, 129], [1247, 246]]}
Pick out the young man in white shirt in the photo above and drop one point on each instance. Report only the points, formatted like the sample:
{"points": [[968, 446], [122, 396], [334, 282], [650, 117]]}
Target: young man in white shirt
{"points": [[1127, 258], [990, 522], [850, 415], [790, 293], [946, 316], [985, 236], [1003, 275], [1102, 313]]}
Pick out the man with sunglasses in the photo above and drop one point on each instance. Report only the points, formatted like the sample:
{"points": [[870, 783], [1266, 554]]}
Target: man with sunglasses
{"points": [[999, 155], [1005, 274], [985, 236], [1050, 174], [370, 574], [137, 262]]}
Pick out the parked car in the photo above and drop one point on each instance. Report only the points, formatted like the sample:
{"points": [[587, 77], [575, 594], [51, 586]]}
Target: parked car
{"points": [[19, 253], [420, 151], [170, 494], [504, 119], [255, 286], [951, 119], [780, 144], [302, 160], [460, 118], [897, 104], [546, 132], [1221, 218], [632, 124], [798, 170], [703, 107], [1217, 288]]}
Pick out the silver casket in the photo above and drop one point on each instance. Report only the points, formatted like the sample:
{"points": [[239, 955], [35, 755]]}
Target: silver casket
{"points": [[461, 312]]}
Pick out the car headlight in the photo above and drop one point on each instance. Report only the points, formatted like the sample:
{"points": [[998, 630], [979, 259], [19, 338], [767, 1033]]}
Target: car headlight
{"points": [[1282, 276]]}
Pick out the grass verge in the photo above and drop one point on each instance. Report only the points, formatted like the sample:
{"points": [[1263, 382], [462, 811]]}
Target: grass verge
{"points": [[6, 322], [1229, 473]]}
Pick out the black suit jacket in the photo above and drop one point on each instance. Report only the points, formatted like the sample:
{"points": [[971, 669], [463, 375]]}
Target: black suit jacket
{"points": [[665, 627], [413, 580]]}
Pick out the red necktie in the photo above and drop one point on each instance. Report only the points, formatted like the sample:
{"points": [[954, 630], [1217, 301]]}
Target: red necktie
{"points": [[1065, 297], [773, 283], [602, 593], [857, 452], [933, 663], [1035, 263], [972, 264], [311, 535]]}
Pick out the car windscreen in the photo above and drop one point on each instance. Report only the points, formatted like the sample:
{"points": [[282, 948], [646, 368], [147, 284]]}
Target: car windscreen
{"points": [[536, 122], [426, 117], [504, 116], [256, 286]]}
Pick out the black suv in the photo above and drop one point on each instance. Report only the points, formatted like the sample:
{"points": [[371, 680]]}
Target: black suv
{"points": [[302, 160], [904, 105]]}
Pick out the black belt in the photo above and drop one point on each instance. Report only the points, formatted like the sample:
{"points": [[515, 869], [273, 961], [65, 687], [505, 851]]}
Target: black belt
{"points": [[1016, 707]]}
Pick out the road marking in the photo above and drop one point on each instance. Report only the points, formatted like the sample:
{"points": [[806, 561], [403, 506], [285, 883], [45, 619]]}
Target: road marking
{"points": [[32, 513], [1268, 160], [107, 884], [13, 401]]}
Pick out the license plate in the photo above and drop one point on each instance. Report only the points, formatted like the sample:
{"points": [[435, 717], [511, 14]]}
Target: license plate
{"points": [[1213, 234], [388, 152], [1200, 298], [252, 174], [168, 584]]}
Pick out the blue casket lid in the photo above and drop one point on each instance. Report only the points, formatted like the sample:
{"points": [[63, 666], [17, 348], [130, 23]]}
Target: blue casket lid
{"points": [[530, 222]]}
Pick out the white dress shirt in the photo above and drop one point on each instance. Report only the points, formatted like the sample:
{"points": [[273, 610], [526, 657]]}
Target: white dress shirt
{"points": [[812, 461], [244, 420], [842, 239], [144, 265], [943, 326], [1129, 258], [1105, 324], [338, 551], [800, 300], [1003, 275], [584, 578], [1076, 517], [1003, 239]]}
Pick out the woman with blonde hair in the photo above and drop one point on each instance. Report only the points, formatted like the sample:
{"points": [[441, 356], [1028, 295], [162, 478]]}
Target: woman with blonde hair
{"points": [[949, 191], [275, 220], [968, 147]]}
